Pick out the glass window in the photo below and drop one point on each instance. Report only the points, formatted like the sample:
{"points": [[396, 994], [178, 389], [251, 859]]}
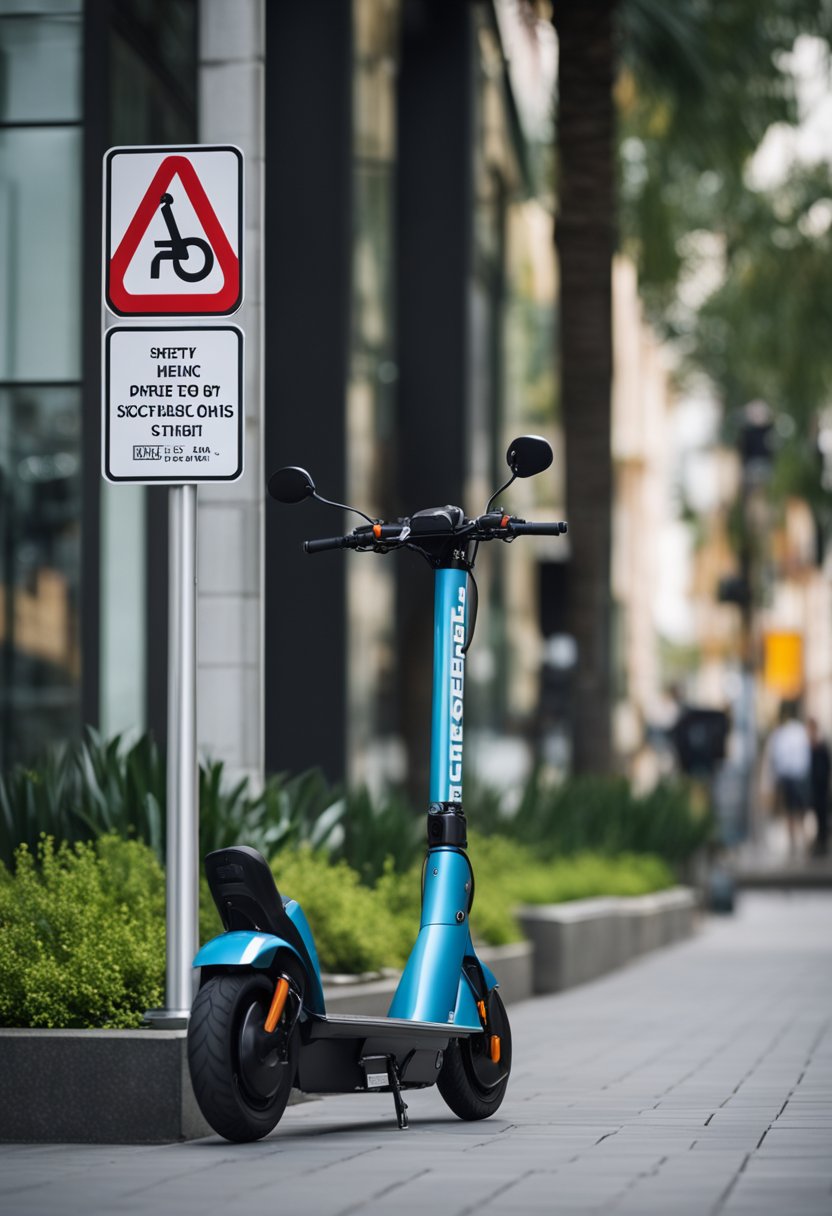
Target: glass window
{"points": [[40, 510], [40, 262], [40, 69], [166, 30], [144, 109], [46, 7]]}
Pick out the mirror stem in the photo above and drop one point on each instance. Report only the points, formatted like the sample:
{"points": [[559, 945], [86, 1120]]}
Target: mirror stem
{"points": [[497, 493], [342, 505]]}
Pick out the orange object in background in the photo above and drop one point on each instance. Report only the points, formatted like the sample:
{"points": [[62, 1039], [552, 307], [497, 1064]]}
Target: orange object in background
{"points": [[783, 664]]}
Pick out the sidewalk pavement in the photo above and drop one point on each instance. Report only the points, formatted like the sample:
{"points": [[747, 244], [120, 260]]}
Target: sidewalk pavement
{"points": [[695, 1081]]}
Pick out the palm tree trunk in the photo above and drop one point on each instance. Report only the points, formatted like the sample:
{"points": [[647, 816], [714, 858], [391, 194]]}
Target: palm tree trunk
{"points": [[584, 235]]}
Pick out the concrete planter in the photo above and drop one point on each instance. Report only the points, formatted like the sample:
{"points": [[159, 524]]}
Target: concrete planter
{"points": [[97, 1087], [133, 1086], [578, 941]]}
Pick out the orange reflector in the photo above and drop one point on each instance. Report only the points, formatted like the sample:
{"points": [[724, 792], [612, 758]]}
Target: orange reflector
{"points": [[495, 1049], [377, 531], [504, 521], [481, 1010], [278, 1001]]}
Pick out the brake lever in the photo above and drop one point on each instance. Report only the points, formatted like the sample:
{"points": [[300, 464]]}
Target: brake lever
{"points": [[380, 538]]}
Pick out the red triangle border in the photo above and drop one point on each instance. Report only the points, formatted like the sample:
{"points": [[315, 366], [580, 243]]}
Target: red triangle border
{"points": [[219, 303]]}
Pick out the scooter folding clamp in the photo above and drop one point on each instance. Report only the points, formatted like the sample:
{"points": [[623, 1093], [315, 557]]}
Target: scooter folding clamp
{"points": [[447, 825]]}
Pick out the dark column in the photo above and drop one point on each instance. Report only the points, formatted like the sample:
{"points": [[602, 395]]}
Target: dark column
{"points": [[434, 217], [96, 142], [307, 266], [585, 238]]}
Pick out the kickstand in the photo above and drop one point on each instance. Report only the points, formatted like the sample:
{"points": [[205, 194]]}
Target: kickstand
{"points": [[401, 1105]]}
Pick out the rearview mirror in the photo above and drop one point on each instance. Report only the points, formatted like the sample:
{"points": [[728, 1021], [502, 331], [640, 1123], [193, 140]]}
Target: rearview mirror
{"points": [[291, 484], [528, 455]]}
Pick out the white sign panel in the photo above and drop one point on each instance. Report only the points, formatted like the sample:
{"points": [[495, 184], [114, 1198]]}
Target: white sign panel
{"points": [[173, 404], [173, 231]]}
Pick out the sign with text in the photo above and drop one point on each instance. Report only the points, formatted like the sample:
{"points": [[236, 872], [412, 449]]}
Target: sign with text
{"points": [[173, 404], [173, 231]]}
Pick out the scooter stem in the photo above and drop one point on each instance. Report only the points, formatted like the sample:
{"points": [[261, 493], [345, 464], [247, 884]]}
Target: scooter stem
{"points": [[449, 632], [430, 988]]}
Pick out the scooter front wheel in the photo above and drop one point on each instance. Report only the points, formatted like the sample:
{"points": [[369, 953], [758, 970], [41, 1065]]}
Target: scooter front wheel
{"points": [[472, 1082], [242, 1076]]}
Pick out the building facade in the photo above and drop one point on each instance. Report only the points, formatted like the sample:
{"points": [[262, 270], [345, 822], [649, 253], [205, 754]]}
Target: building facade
{"points": [[399, 322]]}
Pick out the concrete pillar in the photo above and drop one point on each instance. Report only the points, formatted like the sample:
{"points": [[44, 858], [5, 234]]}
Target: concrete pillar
{"points": [[230, 518]]}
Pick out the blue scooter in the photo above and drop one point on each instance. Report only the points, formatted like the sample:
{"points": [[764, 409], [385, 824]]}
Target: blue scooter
{"points": [[259, 1024]]}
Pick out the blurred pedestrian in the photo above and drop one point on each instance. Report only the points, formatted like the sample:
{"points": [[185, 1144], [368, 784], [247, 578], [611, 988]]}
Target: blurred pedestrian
{"points": [[790, 755], [820, 770]]}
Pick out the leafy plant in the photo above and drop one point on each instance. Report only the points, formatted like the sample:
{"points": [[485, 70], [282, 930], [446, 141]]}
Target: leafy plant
{"points": [[601, 814], [379, 834], [98, 786], [303, 809], [82, 935], [78, 791]]}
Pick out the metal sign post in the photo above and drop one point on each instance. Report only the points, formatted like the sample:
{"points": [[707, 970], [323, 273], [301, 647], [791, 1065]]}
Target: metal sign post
{"points": [[172, 414], [183, 772]]}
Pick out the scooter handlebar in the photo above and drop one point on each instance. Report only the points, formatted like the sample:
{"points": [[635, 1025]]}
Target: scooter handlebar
{"points": [[383, 536]]}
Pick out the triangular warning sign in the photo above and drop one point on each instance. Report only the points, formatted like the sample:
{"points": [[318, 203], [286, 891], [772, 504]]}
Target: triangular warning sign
{"points": [[188, 267]]}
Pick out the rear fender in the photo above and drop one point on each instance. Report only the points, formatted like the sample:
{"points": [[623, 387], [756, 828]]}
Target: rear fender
{"points": [[241, 948]]}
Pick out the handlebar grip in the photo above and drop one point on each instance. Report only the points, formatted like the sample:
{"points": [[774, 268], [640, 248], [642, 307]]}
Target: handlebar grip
{"points": [[524, 529], [326, 542]]}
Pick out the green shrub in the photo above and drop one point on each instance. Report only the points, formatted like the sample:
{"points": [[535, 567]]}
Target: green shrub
{"points": [[353, 929], [82, 935], [82, 927], [400, 896], [359, 928], [509, 874]]}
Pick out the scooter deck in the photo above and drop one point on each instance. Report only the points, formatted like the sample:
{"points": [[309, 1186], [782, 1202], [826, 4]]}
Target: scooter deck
{"points": [[357, 1026], [342, 1052]]}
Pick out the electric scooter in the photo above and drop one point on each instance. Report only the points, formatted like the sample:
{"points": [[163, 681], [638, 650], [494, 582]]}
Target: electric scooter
{"points": [[259, 1025]]}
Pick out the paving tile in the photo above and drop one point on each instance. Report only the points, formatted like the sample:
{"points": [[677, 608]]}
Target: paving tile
{"points": [[700, 1073]]}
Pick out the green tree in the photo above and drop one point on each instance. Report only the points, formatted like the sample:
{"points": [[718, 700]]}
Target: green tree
{"points": [[764, 333], [698, 83]]}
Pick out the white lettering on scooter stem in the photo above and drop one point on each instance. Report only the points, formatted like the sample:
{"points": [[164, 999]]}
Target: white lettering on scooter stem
{"points": [[457, 672]]}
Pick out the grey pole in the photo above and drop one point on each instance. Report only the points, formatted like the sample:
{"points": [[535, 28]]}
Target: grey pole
{"points": [[182, 775]]}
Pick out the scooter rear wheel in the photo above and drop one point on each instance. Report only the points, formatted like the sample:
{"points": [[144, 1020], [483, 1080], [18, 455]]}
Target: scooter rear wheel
{"points": [[242, 1078], [472, 1083]]}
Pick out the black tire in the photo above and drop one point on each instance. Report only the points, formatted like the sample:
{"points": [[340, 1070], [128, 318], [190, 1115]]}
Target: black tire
{"points": [[472, 1085], [242, 1089]]}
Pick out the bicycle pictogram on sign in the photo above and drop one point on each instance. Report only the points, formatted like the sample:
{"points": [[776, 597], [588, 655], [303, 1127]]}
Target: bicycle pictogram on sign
{"points": [[176, 249]]}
